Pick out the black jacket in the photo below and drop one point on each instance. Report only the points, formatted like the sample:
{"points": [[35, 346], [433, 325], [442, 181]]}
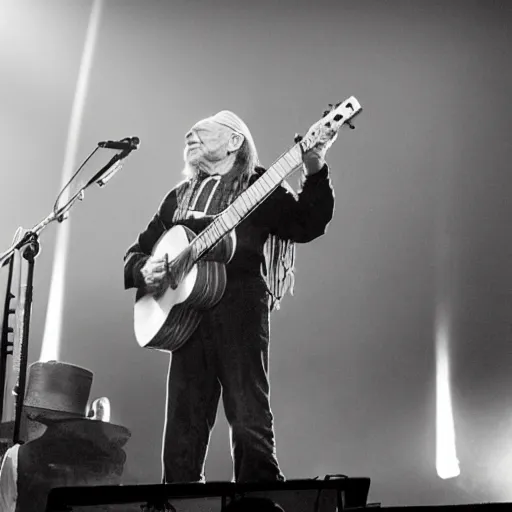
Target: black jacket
{"points": [[300, 218]]}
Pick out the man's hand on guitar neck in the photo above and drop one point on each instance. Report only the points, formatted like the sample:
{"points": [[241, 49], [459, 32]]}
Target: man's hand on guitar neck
{"points": [[314, 159]]}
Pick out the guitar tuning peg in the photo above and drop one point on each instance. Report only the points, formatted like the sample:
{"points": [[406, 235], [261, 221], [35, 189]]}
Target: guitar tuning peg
{"points": [[351, 126], [297, 138]]}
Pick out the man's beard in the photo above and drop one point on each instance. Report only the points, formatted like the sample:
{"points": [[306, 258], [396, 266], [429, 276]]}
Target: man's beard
{"points": [[188, 170], [191, 169]]}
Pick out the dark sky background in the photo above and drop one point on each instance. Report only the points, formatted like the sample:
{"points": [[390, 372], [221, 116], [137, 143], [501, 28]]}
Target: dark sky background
{"points": [[353, 352]]}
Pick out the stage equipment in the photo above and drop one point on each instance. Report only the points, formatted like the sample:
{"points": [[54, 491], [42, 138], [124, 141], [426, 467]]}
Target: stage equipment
{"points": [[26, 246], [312, 495]]}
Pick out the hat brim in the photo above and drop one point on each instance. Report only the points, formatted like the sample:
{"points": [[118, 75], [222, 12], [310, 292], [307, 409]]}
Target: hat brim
{"points": [[89, 429], [46, 416], [80, 427]]}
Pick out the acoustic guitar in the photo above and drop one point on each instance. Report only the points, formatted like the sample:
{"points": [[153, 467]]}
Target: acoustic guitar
{"points": [[165, 322]]}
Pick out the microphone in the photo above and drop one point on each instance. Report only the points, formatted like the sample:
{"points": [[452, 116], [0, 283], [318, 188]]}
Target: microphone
{"points": [[127, 143], [126, 146]]}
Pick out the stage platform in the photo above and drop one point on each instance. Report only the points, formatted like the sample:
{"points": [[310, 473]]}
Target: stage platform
{"points": [[309, 495]]}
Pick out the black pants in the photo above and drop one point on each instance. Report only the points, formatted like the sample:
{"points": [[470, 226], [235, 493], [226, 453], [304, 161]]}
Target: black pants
{"points": [[228, 355]]}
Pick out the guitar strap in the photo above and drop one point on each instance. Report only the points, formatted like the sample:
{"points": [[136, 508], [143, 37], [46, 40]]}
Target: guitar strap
{"points": [[202, 201]]}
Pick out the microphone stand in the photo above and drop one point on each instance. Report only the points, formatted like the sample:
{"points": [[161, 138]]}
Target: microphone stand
{"points": [[29, 247]]}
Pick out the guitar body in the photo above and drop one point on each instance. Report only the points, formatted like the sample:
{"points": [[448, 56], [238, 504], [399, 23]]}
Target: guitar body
{"points": [[166, 323]]}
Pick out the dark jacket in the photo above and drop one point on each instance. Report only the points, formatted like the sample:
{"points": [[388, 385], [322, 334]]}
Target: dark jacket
{"points": [[299, 218]]}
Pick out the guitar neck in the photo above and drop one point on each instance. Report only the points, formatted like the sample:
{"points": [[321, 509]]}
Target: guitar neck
{"points": [[247, 201]]}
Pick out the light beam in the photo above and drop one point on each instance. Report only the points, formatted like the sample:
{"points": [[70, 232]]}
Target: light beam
{"points": [[51, 345], [447, 464]]}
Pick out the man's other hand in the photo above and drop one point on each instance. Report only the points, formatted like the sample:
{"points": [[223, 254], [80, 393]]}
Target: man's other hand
{"points": [[155, 274]]}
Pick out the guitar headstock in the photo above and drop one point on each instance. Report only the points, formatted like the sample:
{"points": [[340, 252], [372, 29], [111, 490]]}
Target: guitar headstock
{"points": [[326, 130]]}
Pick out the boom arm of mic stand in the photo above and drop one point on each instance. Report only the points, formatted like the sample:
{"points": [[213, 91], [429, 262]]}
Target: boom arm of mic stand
{"points": [[58, 215], [115, 160]]}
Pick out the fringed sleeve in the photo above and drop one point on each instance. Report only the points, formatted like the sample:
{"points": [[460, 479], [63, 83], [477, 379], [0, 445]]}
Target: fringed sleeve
{"points": [[279, 270], [293, 218]]}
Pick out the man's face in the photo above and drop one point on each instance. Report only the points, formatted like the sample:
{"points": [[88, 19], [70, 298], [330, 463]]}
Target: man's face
{"points": [[206, 141]]}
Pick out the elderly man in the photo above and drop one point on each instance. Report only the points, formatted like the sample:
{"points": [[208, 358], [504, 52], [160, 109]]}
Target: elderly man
{"points": [[228, 353]]}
